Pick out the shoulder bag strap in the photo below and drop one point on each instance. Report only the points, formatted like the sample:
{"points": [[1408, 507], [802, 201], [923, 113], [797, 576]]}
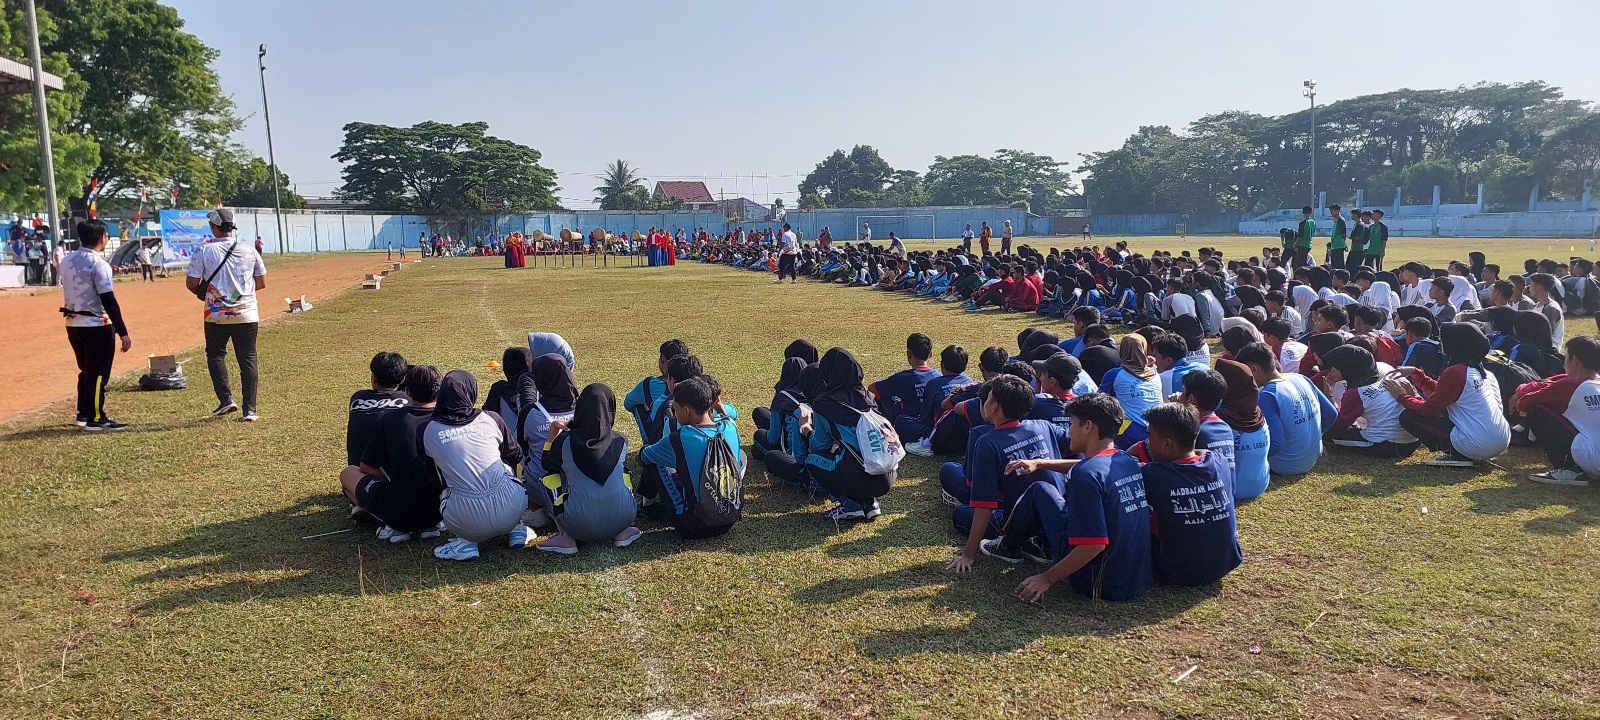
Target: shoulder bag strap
{"points": [[223, 262]]}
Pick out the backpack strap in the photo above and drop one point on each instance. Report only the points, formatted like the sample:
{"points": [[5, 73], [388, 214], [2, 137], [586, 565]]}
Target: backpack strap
{"points": [[685, 485]]}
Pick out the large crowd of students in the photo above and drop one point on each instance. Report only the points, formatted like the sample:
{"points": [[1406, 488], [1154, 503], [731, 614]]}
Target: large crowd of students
{"points": [[1116, 462]]}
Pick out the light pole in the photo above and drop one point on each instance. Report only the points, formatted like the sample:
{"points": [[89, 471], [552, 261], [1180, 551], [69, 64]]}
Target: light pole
{"points": [[47, 161], [1309, 90], [266, 113]]}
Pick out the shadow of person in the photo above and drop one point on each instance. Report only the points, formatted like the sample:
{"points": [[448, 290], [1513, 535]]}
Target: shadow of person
{"points": [[301, 551], [999, 621], [1385, 478], [1583, 506]]}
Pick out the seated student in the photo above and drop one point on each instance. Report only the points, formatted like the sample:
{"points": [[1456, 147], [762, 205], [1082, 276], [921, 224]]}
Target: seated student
{"points": [[1295, 411], [948, 435], [1024, 294], [834, 453], [1439, 291], [658, 423], [367, 405], [916, 430], [1098, 354], [1095, 525], [1369, 416], [544, 343], [1241, 410], [772, 422], [1536, 346], [1275, 332], [642, 399], [789, 463], [1422, 351], [1463, 415], [1054, 379], [989, 491], [1082, 318], [502, 396], [1204, 390], [1134, 384], [585, 483], [1194, 339], [546, 395], [682, 453], [392, 480], [1193, 532], [1368, 321], [1502, 333], [1564, 413], [902, 393], [1277, 307], [1172, 362], [801, 348], [474, 452]]}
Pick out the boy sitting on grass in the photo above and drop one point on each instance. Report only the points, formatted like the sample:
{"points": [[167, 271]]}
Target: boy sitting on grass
{"points": [[692, 403], [1096, 525], [1194, 534], [1564, 413]]}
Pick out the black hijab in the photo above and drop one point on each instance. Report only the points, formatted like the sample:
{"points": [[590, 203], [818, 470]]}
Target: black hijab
{"points": [[592, 440], [1188, 327], [1503, 319], [810, 382], [557, 389], [1464, 344], [802, 349], [843, 397], [1249, 297], [788, 382], [1533, 328], [1356, 365], [458, 399], [515, 363]]}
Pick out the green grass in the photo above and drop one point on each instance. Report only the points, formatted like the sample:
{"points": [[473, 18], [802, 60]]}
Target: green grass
{"points": [[210, 605]]}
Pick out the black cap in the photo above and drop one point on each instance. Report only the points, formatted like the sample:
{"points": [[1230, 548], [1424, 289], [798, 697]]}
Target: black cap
{"points": [[1060, 365]]}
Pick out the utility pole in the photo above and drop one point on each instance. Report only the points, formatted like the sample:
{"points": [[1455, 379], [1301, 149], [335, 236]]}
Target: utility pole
{"points": [[266, 113], [47, 161], [1309, 90]]}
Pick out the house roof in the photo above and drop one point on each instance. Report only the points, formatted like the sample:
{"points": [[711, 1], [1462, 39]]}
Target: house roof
{"points": [[689, 191]]}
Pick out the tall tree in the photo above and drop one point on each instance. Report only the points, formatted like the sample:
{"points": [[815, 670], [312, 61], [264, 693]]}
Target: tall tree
{"points": [[622, 189], [248, 183], [1572, 155], [441, 169], [151, 101], [75, 154], [853, 179]]}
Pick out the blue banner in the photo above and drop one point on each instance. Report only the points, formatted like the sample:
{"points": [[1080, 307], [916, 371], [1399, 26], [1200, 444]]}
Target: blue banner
{"points": [[182, 232]]}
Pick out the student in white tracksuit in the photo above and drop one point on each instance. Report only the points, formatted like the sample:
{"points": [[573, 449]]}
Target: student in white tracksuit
{"points": [[475, 453]]}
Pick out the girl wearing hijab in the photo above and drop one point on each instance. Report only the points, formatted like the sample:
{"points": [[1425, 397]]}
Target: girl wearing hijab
{"points": [[474, 452], [1194, 339], [548, 394], [1502, 328], [502, 396], [544, 343], [1536, 348], [1365, 399], [1209, 302], [1241, 410], [585, 484], [772, 422], [1384, 298], [1463, 415], [787, 461], [834, 451], [1136, 385]]}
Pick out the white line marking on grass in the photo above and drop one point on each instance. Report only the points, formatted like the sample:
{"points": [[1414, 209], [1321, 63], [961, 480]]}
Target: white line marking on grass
{"points": [[494, 319]]}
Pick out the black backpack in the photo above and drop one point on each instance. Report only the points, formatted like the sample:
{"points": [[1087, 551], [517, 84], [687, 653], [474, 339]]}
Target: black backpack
{"points": [[715, 494], [1509, 374]]}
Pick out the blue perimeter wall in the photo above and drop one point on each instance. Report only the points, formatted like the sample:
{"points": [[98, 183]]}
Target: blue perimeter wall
{"points": [[335, 230]]}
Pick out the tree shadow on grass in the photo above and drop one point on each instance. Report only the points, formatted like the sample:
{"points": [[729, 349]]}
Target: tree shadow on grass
{"points": [[1387, 478], [999, 621]]}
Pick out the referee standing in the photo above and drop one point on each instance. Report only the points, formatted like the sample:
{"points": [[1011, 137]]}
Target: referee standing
{"points": [[94, 322], [788, 253]]}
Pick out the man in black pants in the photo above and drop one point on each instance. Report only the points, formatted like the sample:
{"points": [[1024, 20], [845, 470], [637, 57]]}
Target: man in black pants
{"points": [[788, 253], [229, 274], [94, 321]]}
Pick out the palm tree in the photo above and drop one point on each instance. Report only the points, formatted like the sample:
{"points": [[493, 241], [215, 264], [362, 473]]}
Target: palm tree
{"points": [[623, 188]]}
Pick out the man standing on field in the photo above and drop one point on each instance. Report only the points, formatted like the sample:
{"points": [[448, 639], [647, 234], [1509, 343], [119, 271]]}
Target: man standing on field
{"points": [[1302, 238], [788, 253], [1005, 239], [94, 323], [226, 277], [985, 234], [1336, 240]]}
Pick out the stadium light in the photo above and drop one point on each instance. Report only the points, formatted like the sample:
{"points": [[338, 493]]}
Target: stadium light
{"points": [[1308, 89], [266, 114]]}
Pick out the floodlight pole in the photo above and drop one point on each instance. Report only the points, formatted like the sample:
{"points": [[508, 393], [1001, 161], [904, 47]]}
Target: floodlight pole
{"points": [[266, 114], [1309, 90], [47, 161]]}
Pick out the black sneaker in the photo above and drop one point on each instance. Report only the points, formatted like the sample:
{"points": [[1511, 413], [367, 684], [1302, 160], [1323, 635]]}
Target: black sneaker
{"points": [[996, 549], [225, 408], [1451, 459], [104, 425], [1033, 549]]}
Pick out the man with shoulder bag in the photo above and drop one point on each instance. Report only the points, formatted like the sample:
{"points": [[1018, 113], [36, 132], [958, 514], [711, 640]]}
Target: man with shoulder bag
{"points": [[226, 276]]}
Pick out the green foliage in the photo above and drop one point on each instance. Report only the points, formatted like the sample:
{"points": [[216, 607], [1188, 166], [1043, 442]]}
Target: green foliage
{"points": [[151, 99], [248, 183], [1419, 179], [1572, 155], [778, 209], [855, 179], [443, 170], [1507, 179], [622, 189], [75, 154]]}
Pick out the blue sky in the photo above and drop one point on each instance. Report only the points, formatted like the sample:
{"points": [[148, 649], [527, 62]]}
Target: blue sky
{"points": [[751, 95]]}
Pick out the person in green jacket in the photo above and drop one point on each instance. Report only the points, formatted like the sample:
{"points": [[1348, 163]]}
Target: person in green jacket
{"points": [[1377, 240], [1302, 238], [1336, 240], [1359, 220]]}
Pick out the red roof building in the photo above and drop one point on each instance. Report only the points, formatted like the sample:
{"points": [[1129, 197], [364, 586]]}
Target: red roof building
{"points": [[692, 193]]}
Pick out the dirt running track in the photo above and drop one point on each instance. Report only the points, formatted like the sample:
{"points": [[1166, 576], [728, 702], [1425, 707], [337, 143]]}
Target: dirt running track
{"points": [[36, 364]]}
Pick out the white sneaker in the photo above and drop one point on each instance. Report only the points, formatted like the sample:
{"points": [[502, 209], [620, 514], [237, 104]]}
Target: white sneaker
{"points": [[920, 448], [537, 518], [1562, 476], [521, 536], [457, 549], [432, 532], [385, 532]]}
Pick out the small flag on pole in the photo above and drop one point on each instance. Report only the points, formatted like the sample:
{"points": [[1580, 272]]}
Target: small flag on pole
{"points": [[94, 196]]}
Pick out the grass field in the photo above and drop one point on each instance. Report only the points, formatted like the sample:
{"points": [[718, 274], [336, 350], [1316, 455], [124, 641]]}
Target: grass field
{"points": [[1372, 590]]}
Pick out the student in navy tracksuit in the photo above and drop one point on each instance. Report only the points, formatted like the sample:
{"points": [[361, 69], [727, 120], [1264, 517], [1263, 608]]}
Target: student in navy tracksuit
{"points": [[900, 395], [952, 368], [1194, 537]]}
